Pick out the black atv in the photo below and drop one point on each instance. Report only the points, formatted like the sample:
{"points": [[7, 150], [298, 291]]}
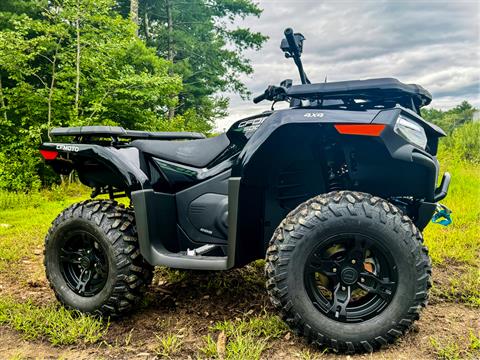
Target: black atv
{"points": [[333, 192]]}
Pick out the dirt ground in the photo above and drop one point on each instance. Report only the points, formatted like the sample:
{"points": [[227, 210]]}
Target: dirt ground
{"points": [[188, 307]]}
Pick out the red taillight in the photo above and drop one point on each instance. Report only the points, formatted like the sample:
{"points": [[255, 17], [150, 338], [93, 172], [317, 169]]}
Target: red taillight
{"points": [[49, 154], [360, 129]]}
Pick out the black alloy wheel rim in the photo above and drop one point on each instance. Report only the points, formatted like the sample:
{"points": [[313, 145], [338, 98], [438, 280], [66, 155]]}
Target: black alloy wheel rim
{"points": [[83, 263], [350, 278]]}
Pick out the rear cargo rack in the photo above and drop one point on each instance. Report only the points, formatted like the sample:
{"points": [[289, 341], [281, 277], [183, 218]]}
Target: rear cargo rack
{"points": [[120, 132]]}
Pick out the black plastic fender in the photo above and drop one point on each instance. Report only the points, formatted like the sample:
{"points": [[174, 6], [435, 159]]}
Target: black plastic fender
{"points": [[120, 162]]}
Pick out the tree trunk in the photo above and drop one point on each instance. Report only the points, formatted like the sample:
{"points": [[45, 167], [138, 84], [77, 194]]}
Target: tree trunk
{"points": [[50, 90], [147, 25], [77, 61], [2, 101], [134, 13], [170, 53]]}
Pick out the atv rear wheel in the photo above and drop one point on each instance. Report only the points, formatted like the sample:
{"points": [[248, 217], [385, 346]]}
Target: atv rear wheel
{"points": [[92, 258], [348, 271]]}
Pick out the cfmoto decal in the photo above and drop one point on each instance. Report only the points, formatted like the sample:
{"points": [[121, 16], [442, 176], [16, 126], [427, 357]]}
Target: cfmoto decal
{"points": [[251, 125], [64, 147]]}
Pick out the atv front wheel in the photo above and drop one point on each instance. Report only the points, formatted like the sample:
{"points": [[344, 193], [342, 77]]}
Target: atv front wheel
{"points": [[348, 271], [92, 258]]}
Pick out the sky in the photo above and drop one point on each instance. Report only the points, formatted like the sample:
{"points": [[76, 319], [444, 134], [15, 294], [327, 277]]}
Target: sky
{"points": [[435, 44]]}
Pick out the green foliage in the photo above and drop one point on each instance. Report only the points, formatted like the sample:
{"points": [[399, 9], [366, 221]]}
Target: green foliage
{"points": [[205, 47], [188, 121], [77, 62], [451, 119], [55, 324], [19, 169], [119, 77], [463, 135], [80, 62], [463, 144]]}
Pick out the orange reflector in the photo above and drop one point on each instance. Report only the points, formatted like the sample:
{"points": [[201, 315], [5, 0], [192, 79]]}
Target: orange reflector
{"points": [[360, 129], [368, 267], [49, 154]]}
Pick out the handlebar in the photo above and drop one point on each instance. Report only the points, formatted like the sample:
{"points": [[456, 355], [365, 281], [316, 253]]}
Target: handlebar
{"points": [[294, 50], [289, 35], [259, 98], [272, 93]]}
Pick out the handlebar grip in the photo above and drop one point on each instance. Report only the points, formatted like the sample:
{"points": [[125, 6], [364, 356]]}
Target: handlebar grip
{"points": [[259, 98], [289, 35]]}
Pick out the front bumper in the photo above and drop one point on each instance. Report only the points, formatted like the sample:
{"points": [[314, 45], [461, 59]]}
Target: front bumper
{"points": [[442, 190]]}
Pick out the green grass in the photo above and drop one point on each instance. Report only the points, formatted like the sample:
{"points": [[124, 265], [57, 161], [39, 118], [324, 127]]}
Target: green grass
{"points": [[464, 287], [456, 248], [56, 324], [451, 349], [238, 347], [307, 354], [266, 326], [474, 342], [209, 348], [168, 345], [25, 219], [244, 338], [446, 350], [460, 241]]}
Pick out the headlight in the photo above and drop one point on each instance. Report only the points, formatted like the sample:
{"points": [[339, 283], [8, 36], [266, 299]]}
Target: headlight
{"points": [[411, 131]]}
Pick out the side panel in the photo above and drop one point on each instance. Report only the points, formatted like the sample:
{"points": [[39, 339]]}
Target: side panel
{"points": [[202, 219]]}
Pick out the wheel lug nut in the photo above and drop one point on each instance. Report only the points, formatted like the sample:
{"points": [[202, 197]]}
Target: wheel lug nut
{"points": [[354, 261], [334, 270]]}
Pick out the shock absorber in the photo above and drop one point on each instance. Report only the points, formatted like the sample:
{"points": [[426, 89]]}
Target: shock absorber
{"points": [[334, 183]]}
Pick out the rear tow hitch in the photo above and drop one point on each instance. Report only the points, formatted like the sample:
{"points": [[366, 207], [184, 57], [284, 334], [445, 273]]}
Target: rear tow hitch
{"points": [[442, 215]]}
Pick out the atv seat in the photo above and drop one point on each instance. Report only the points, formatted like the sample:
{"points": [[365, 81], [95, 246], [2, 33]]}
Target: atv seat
{"points": [[196, 153]]}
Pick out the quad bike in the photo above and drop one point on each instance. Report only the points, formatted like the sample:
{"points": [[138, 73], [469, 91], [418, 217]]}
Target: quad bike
{"points": [[333, 192]]}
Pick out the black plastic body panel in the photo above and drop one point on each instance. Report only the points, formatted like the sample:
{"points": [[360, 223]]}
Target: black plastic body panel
{"points": [[100, 165], [273, 162], [217, 185]]}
